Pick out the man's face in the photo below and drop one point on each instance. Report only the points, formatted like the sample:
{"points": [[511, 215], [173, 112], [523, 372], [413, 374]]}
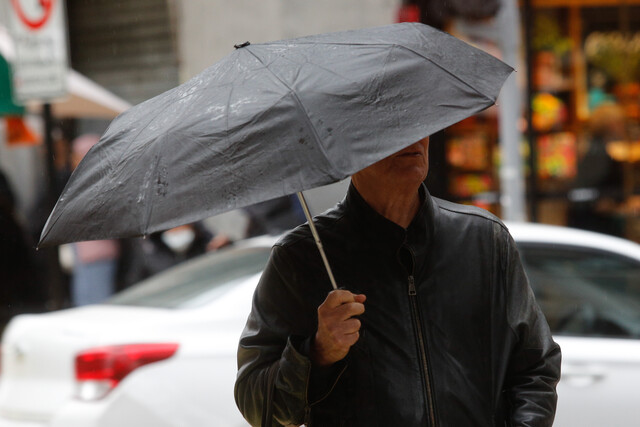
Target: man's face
{"points": [[405, 169]]}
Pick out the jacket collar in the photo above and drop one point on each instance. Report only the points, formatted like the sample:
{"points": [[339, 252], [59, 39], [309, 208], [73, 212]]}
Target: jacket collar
{"points": [[386, 234]]}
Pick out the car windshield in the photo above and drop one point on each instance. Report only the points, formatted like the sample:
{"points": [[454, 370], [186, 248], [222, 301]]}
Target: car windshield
{"points": [[585, 292], [196, 282]]}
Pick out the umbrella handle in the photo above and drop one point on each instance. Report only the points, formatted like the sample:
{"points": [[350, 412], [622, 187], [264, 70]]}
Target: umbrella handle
{"points": [[316, 237]]}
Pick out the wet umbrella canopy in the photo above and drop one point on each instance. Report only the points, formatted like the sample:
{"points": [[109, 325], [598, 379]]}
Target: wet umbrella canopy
{"points": [[269, 120]]}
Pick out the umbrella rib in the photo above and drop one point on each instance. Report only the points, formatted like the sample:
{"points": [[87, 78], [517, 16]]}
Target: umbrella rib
{"points": [[48, 228], [335, 173], [150, 204], [391, 45], [493, 101], [144, 127], [226, 116]]}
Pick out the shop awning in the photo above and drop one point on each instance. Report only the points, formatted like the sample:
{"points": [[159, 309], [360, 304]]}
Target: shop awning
{"points": [[86, 99]]}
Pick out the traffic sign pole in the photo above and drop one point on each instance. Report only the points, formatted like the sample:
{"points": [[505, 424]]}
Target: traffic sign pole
{"points": [[39, 33]]}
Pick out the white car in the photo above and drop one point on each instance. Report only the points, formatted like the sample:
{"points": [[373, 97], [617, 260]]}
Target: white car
{"points": [[588, 286], [163, 353]]}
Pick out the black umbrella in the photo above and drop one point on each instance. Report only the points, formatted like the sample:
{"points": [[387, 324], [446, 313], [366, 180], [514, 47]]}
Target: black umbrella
{"points": [[269, 120]]}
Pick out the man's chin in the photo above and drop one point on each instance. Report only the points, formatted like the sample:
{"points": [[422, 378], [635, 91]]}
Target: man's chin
{"points": [[409, 181]]}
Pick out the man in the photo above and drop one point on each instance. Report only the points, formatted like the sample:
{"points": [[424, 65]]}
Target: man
{"points": [[435, 324]]}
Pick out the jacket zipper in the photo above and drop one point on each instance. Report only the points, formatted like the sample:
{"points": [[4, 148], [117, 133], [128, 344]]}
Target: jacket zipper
{"points": [[423, 349]]}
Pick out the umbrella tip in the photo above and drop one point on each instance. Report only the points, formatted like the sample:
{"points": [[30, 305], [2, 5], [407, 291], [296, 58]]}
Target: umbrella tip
{"points": [[238, 46]]}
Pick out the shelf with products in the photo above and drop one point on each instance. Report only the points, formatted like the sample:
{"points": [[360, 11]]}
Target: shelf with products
{"points": [[471, 151], [613, 61], [555, 102], [585, 106]]}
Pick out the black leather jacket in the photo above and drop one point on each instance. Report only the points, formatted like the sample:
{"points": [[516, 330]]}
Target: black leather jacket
{"points": [[451, 335]]}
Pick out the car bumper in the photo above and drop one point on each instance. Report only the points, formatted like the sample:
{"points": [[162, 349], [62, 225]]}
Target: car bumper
{"points": [[5, 422]]}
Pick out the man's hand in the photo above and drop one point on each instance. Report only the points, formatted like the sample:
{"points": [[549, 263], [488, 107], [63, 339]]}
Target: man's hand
{"points": [[337, 329]]}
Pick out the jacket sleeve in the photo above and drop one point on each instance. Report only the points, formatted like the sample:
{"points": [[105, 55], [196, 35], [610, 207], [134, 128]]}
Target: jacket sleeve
{"points": [[534, 366], [274, 337]]}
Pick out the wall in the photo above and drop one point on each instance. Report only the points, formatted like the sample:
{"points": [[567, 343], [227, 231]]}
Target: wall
{"points": [[126, 46], [208, 29]]}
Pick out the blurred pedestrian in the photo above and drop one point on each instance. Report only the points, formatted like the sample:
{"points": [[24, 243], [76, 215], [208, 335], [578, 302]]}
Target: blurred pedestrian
{"points": [[95, 262], [20, 289], [145, 257], [597, 187]]}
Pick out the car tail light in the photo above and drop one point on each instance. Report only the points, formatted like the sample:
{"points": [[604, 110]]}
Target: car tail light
{"points": [[100, 369]]}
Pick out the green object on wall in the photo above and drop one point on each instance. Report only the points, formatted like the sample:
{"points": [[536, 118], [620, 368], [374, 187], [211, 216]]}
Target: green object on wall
{"points": [[7, 106]]}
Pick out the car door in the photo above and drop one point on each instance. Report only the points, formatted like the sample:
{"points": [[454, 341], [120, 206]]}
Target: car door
{"points": [[591, 299]]}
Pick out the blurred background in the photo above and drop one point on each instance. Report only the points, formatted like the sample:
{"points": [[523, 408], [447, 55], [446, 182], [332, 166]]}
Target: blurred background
{"points": [[562, 146]]}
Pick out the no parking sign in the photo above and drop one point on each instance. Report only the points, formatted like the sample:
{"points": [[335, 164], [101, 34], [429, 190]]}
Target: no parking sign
{"points": [[38, 29]]}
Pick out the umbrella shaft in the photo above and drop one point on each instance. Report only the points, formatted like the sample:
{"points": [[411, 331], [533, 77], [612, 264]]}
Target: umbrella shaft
{"points": [[316, 237]]}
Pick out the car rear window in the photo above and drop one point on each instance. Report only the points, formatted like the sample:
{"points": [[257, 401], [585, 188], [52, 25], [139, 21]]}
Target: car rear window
{"points": [[196, 282]]}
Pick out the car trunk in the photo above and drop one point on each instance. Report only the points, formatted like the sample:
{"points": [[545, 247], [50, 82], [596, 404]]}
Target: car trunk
{"points": [[38, 354]]}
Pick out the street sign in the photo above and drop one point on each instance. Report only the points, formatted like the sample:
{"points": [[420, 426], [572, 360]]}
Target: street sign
{"points": [[38, 29]]}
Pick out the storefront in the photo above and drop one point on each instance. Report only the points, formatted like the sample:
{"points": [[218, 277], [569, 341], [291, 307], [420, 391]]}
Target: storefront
{"points": [[585, 113], [581, 154]]}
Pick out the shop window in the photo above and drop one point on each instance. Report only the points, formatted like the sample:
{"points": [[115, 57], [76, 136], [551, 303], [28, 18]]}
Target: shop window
{"points": [[585, 108]]}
